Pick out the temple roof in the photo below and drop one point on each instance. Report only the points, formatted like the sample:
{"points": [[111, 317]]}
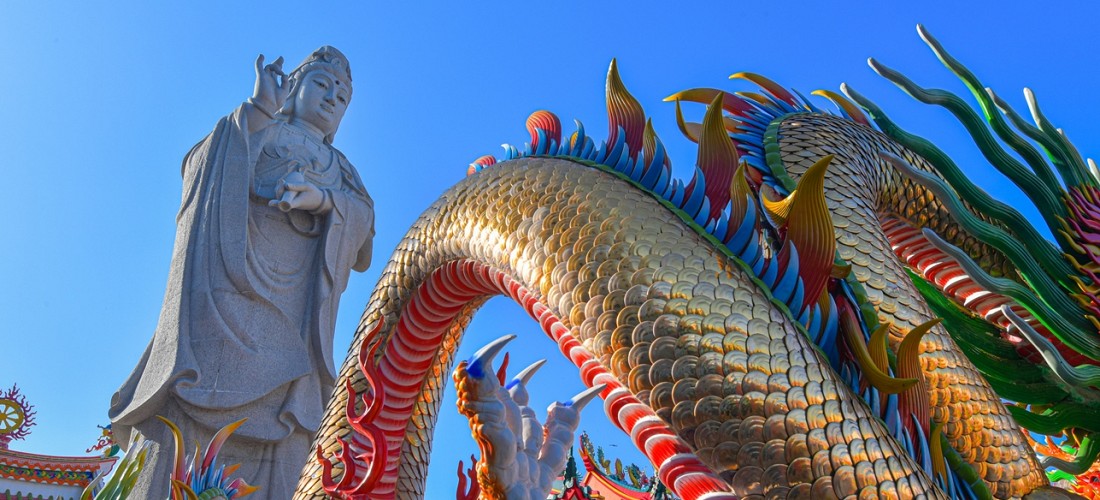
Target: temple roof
{"points": [[49, 469], [571, 487], [601, 481]]}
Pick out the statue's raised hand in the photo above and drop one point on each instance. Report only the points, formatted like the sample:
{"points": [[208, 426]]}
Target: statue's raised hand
{"points": [[271, 90]]}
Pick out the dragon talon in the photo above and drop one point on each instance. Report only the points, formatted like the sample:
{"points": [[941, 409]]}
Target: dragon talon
{"points": [[580, 400], [481, 362], [525, 376], [517, 387]]}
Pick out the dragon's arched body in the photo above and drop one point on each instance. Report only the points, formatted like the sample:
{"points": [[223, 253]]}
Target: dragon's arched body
{"points": [[728, 317]]}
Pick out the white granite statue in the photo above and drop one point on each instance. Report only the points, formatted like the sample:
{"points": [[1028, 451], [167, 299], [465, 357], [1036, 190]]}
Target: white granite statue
{"points": [[272, 221]]}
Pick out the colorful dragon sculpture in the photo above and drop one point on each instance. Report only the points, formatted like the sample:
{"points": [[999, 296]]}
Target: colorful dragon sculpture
{"points": [[827, 308]]}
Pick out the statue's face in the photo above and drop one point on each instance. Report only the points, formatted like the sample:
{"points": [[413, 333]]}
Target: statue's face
{"points": [[321, 101]]}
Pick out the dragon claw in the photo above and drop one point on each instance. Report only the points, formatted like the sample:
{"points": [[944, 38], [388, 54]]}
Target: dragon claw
{"points": [[484, 356], [519, 455], [581, 400], [517, 387], [525, 376]]}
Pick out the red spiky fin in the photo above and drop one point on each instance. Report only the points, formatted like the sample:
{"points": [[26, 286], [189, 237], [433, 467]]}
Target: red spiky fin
{"points": [[717, 159], [739, 194], [649, 146], [914, 400], [546, 121], [217, 442], [843, 103], [480, 163], [731, 103], [805, 221], [624, 111], [502, 372], [774, 89], [693, 131]]}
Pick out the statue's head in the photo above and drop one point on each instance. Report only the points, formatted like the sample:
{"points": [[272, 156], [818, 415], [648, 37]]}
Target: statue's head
{"points": [[320, 91]]}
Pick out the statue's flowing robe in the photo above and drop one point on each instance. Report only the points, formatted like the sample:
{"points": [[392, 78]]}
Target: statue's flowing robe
{"points": [[226, 346]]}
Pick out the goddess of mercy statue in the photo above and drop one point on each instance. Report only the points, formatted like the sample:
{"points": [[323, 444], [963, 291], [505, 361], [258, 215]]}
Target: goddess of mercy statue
{"points": [[273, 219]]}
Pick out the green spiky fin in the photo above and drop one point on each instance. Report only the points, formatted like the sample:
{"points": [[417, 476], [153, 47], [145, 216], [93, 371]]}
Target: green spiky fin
{"points": [[1008, 220], [1088, 451], [1012, 376]]}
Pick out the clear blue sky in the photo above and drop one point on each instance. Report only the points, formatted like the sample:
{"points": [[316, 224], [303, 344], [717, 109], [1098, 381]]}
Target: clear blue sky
{"points": [[100, 103]]}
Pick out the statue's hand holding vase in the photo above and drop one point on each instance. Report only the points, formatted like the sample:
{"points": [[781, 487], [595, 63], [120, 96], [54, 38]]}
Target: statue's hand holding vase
{"points": [[295, 192]]}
